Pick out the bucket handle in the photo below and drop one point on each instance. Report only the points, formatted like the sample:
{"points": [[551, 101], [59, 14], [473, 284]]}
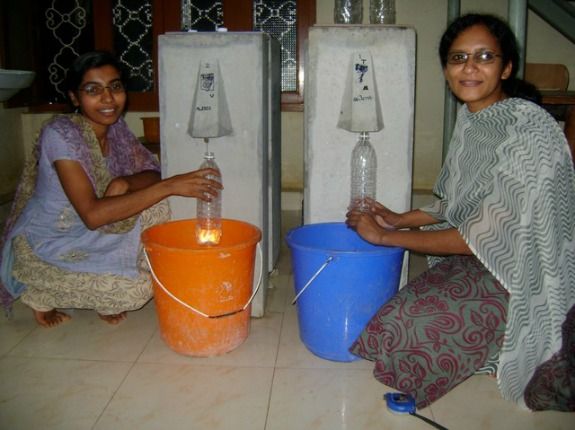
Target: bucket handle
{"points": [[181, 302], [315, 275]]}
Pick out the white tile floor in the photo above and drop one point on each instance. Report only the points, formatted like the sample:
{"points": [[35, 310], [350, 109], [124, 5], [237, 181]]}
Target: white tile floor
{"points": [[86, 374]]}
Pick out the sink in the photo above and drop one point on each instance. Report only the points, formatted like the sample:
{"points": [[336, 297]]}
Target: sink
{"points": [[12, 81]]}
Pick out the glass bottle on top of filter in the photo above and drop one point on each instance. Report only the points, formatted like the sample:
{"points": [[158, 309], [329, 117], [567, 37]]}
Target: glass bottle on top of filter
{"points": [[382, 11], [363, 174], [209, 213], [348, 11]]}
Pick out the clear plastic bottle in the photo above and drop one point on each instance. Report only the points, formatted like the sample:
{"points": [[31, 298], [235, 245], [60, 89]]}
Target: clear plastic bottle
{"points": [[348, 11], [209, 214], [382, 11], [363, 173]]}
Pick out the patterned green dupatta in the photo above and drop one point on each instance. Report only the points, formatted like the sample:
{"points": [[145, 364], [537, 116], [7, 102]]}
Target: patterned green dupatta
{"points": [[101, 174]]}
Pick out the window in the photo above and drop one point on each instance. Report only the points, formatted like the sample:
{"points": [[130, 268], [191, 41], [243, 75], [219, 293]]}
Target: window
{"points": [[45, 36]]}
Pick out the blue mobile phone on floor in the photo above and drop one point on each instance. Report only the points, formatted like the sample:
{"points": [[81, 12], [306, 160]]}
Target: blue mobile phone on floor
{"points": [[400, 403]]}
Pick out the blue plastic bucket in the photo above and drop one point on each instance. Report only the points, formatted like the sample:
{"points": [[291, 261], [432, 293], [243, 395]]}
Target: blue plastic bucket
{"points": [[340, 282]]}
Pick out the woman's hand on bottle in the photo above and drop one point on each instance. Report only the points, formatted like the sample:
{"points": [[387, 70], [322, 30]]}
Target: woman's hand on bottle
{"points": [[373, 223], [366, 225], [199, 184], [385, 217]]}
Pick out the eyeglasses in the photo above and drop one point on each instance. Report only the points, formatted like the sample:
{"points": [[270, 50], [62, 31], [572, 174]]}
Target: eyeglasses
{"points": [[116, 87], [479, 57]]}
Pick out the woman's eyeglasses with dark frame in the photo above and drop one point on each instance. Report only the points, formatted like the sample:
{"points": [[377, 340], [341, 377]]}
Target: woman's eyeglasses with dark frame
{"points": [[115, 87], [479, 57]]}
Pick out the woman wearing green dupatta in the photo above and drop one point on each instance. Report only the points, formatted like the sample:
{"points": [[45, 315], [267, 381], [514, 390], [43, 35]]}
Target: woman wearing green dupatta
{"points": [[501, 236], [73, 237]]}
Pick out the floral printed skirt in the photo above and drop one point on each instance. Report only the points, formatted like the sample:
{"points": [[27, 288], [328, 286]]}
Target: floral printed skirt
{"points": [[437, 330], [49, 287], [552, 386]]}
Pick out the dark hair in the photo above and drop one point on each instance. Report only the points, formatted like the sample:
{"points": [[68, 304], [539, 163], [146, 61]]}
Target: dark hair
{"points": [[512, 86], [85, 62]]}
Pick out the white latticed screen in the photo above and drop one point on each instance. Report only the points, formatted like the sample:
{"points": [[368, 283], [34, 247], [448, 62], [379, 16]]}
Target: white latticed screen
{"points": [[278, 19], [133, 38], [68, 32]]}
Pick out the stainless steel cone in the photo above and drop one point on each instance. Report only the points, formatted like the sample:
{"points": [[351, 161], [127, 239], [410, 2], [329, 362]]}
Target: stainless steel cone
{"points": [[360, 106], [210, 116]]}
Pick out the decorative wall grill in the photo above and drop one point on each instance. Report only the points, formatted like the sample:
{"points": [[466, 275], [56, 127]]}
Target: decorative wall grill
{"points": [[67, 30], [133, 39], [202, 15], [278, 18], [67, 33]]}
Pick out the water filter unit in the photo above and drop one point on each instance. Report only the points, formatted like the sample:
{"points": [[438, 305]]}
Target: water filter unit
{"points": [[361, 112], [328, 147], [249, 156]]}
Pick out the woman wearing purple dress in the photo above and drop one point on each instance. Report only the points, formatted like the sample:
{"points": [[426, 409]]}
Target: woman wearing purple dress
{"points": [[73, 237]]}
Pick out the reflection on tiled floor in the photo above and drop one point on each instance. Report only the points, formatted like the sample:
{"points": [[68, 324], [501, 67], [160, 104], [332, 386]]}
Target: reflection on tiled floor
{"points": [[86, 374]]}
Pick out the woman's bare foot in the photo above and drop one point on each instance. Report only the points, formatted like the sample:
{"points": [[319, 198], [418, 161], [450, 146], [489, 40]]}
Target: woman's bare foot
{"points": [[50, 318], [114, 318]]}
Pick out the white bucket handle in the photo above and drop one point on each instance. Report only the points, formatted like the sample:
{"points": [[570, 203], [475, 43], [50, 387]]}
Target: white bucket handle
{"points": [[181, 302], [315, 275]]}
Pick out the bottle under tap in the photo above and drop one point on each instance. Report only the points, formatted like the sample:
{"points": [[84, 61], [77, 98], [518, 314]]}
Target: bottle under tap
{"points": [[363, 174], [209, 213]]}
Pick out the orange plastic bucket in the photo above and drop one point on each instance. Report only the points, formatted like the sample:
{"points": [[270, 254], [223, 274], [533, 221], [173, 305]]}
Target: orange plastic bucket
{"points": [[202, 293]]}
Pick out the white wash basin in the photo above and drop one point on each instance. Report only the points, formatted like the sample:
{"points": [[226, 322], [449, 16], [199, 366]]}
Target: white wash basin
{"points": [[12, 81]]}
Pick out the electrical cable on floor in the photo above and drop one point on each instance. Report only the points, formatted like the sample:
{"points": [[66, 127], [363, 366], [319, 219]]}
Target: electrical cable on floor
{"points": [[428, 421], [401, 403]]}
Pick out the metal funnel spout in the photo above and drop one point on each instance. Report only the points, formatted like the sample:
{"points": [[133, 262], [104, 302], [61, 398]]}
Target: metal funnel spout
{"points": [[210, 116], [360, 106]]}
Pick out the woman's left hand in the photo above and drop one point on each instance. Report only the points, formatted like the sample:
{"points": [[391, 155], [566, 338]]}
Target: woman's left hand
{"points": [[117, 187], [365, 224]]}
